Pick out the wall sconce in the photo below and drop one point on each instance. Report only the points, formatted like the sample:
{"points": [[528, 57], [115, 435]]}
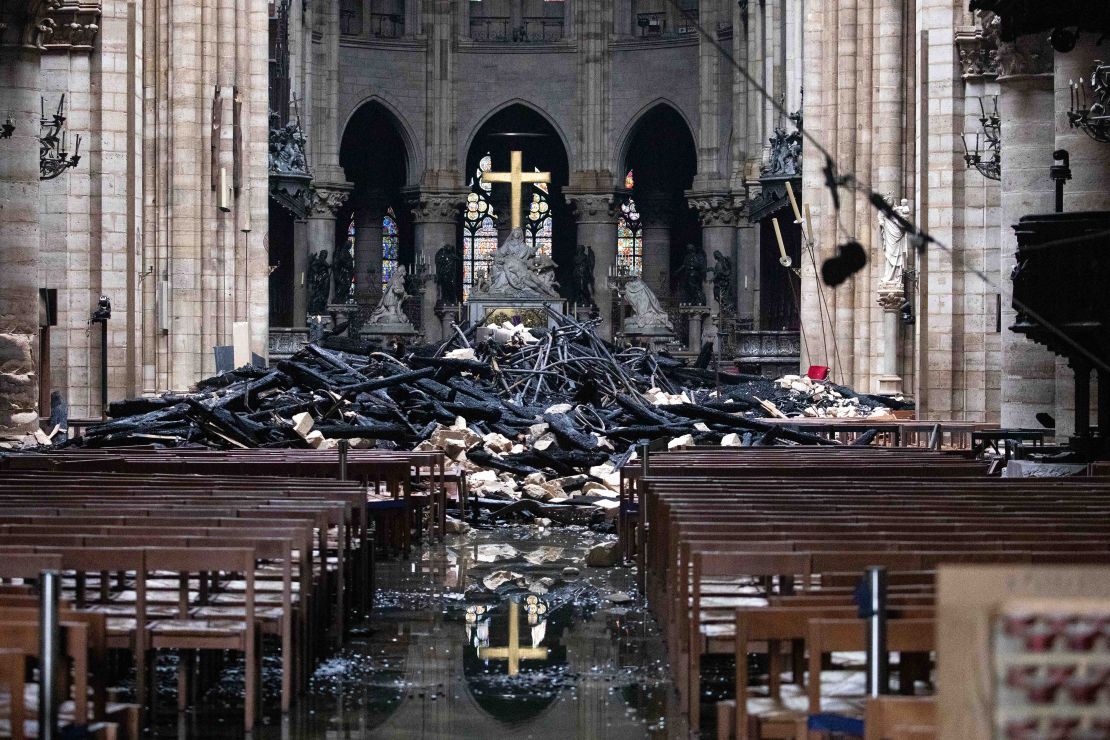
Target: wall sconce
{"points": [[983, 151], [53, 157], [1089, 106]]}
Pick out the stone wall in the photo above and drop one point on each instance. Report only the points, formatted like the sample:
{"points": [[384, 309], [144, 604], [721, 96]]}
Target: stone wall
{"points": [[138, 219]]}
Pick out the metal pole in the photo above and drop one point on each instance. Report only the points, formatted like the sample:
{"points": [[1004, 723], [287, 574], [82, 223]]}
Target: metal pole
{"points": [[343, 446], [878, 660], [50, 640], [104, 368], [643, 458]]}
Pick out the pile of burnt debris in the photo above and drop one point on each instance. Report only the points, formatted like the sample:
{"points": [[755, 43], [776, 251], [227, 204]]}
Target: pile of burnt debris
{"points": [[529, 413]]}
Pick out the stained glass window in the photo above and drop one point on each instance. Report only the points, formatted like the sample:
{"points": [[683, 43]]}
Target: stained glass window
{"points": [[538, 227], [390, 245], [479, 229], [629, 236]]}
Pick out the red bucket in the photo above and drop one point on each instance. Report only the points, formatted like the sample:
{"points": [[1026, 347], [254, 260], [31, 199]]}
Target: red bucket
{"points": [[818, 372]]}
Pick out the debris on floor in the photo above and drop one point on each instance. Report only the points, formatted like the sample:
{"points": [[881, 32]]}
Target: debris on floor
{"points": [[540, 420]]}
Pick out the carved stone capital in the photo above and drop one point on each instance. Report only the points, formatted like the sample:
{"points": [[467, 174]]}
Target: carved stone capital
{"points": [[26, 23], [594, 207], [436, 207], [77, 23], [978, 52], [716, 209], [327, 199], [1025, 55], [891, 296]]}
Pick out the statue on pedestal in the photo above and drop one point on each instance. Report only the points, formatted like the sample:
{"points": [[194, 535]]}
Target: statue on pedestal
{"points": [[518, 271], [318, 283], [584, 275], [693, 272], [648, 315], [390, 308], [343, 271], [447, 270], [722, 279], [892, 235]]}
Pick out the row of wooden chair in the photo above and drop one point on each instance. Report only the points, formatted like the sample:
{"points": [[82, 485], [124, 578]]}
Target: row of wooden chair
{"points": [[759, 551], [205, 553]]}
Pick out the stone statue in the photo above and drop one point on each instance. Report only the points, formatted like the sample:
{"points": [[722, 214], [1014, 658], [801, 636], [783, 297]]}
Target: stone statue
{"points": [[318, 283], [287, 146], [518, 271], [343, 271], [693, 277], [390, 309], [892, 235], [447, 274], [647, 314], [584, 275], [722, 279]]}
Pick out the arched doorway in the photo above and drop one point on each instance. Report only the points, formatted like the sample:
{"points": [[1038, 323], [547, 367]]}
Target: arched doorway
{"points": [[661, 157], [548, 224], [375, 223]]}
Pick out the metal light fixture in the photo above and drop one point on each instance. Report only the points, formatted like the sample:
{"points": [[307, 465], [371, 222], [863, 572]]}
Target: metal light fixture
{"points": [[983, 151], [1090, 103], [7, 128], [53, 157]]}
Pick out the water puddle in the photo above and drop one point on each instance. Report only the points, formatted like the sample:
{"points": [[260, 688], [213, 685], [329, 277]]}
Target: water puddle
{"points": [[496, 631]]}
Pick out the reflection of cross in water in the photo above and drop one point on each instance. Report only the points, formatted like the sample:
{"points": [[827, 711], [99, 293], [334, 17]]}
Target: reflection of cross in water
{"points": [[516, 177], [513, 652]]}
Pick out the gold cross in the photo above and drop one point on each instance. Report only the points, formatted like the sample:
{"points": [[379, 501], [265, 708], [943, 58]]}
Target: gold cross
{"points": [[516, 177], [513, 652]]}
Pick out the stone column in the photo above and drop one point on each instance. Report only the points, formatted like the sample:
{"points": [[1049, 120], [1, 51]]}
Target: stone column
{"points": [[656, 212], [436, 220], [719, 218], [891, 296], [368, 248], [1025, 105], [321, 224], [20, 48], [596, 214]]}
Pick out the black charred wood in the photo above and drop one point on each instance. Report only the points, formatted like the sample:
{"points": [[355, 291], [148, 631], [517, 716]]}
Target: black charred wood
{"points": [[394, 432], [472, 412], [481, 369], [568, 435], [388, 381]]}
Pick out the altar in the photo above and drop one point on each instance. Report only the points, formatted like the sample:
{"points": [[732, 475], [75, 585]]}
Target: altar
{"points": [[531, 312]]}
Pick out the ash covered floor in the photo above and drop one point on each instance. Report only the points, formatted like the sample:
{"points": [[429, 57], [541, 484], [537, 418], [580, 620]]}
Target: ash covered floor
{"points": [[591, 662]]}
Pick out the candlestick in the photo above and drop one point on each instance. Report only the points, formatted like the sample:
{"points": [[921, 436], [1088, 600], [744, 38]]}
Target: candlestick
{"points": [[793, 203], [809, 223], [784, 259]]}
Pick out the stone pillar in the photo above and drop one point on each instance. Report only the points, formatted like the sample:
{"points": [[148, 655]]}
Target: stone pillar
{"points": [[746, 287], [1025, 105], [596, 214], [719, 218], [321, 224], [300, 272], [656, 213], [368, 248], [891, 297], [436, 220], [19, 221]]}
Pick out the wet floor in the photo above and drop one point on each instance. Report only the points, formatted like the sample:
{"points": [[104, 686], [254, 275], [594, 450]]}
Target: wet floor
{"points": [[492, 633]]}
